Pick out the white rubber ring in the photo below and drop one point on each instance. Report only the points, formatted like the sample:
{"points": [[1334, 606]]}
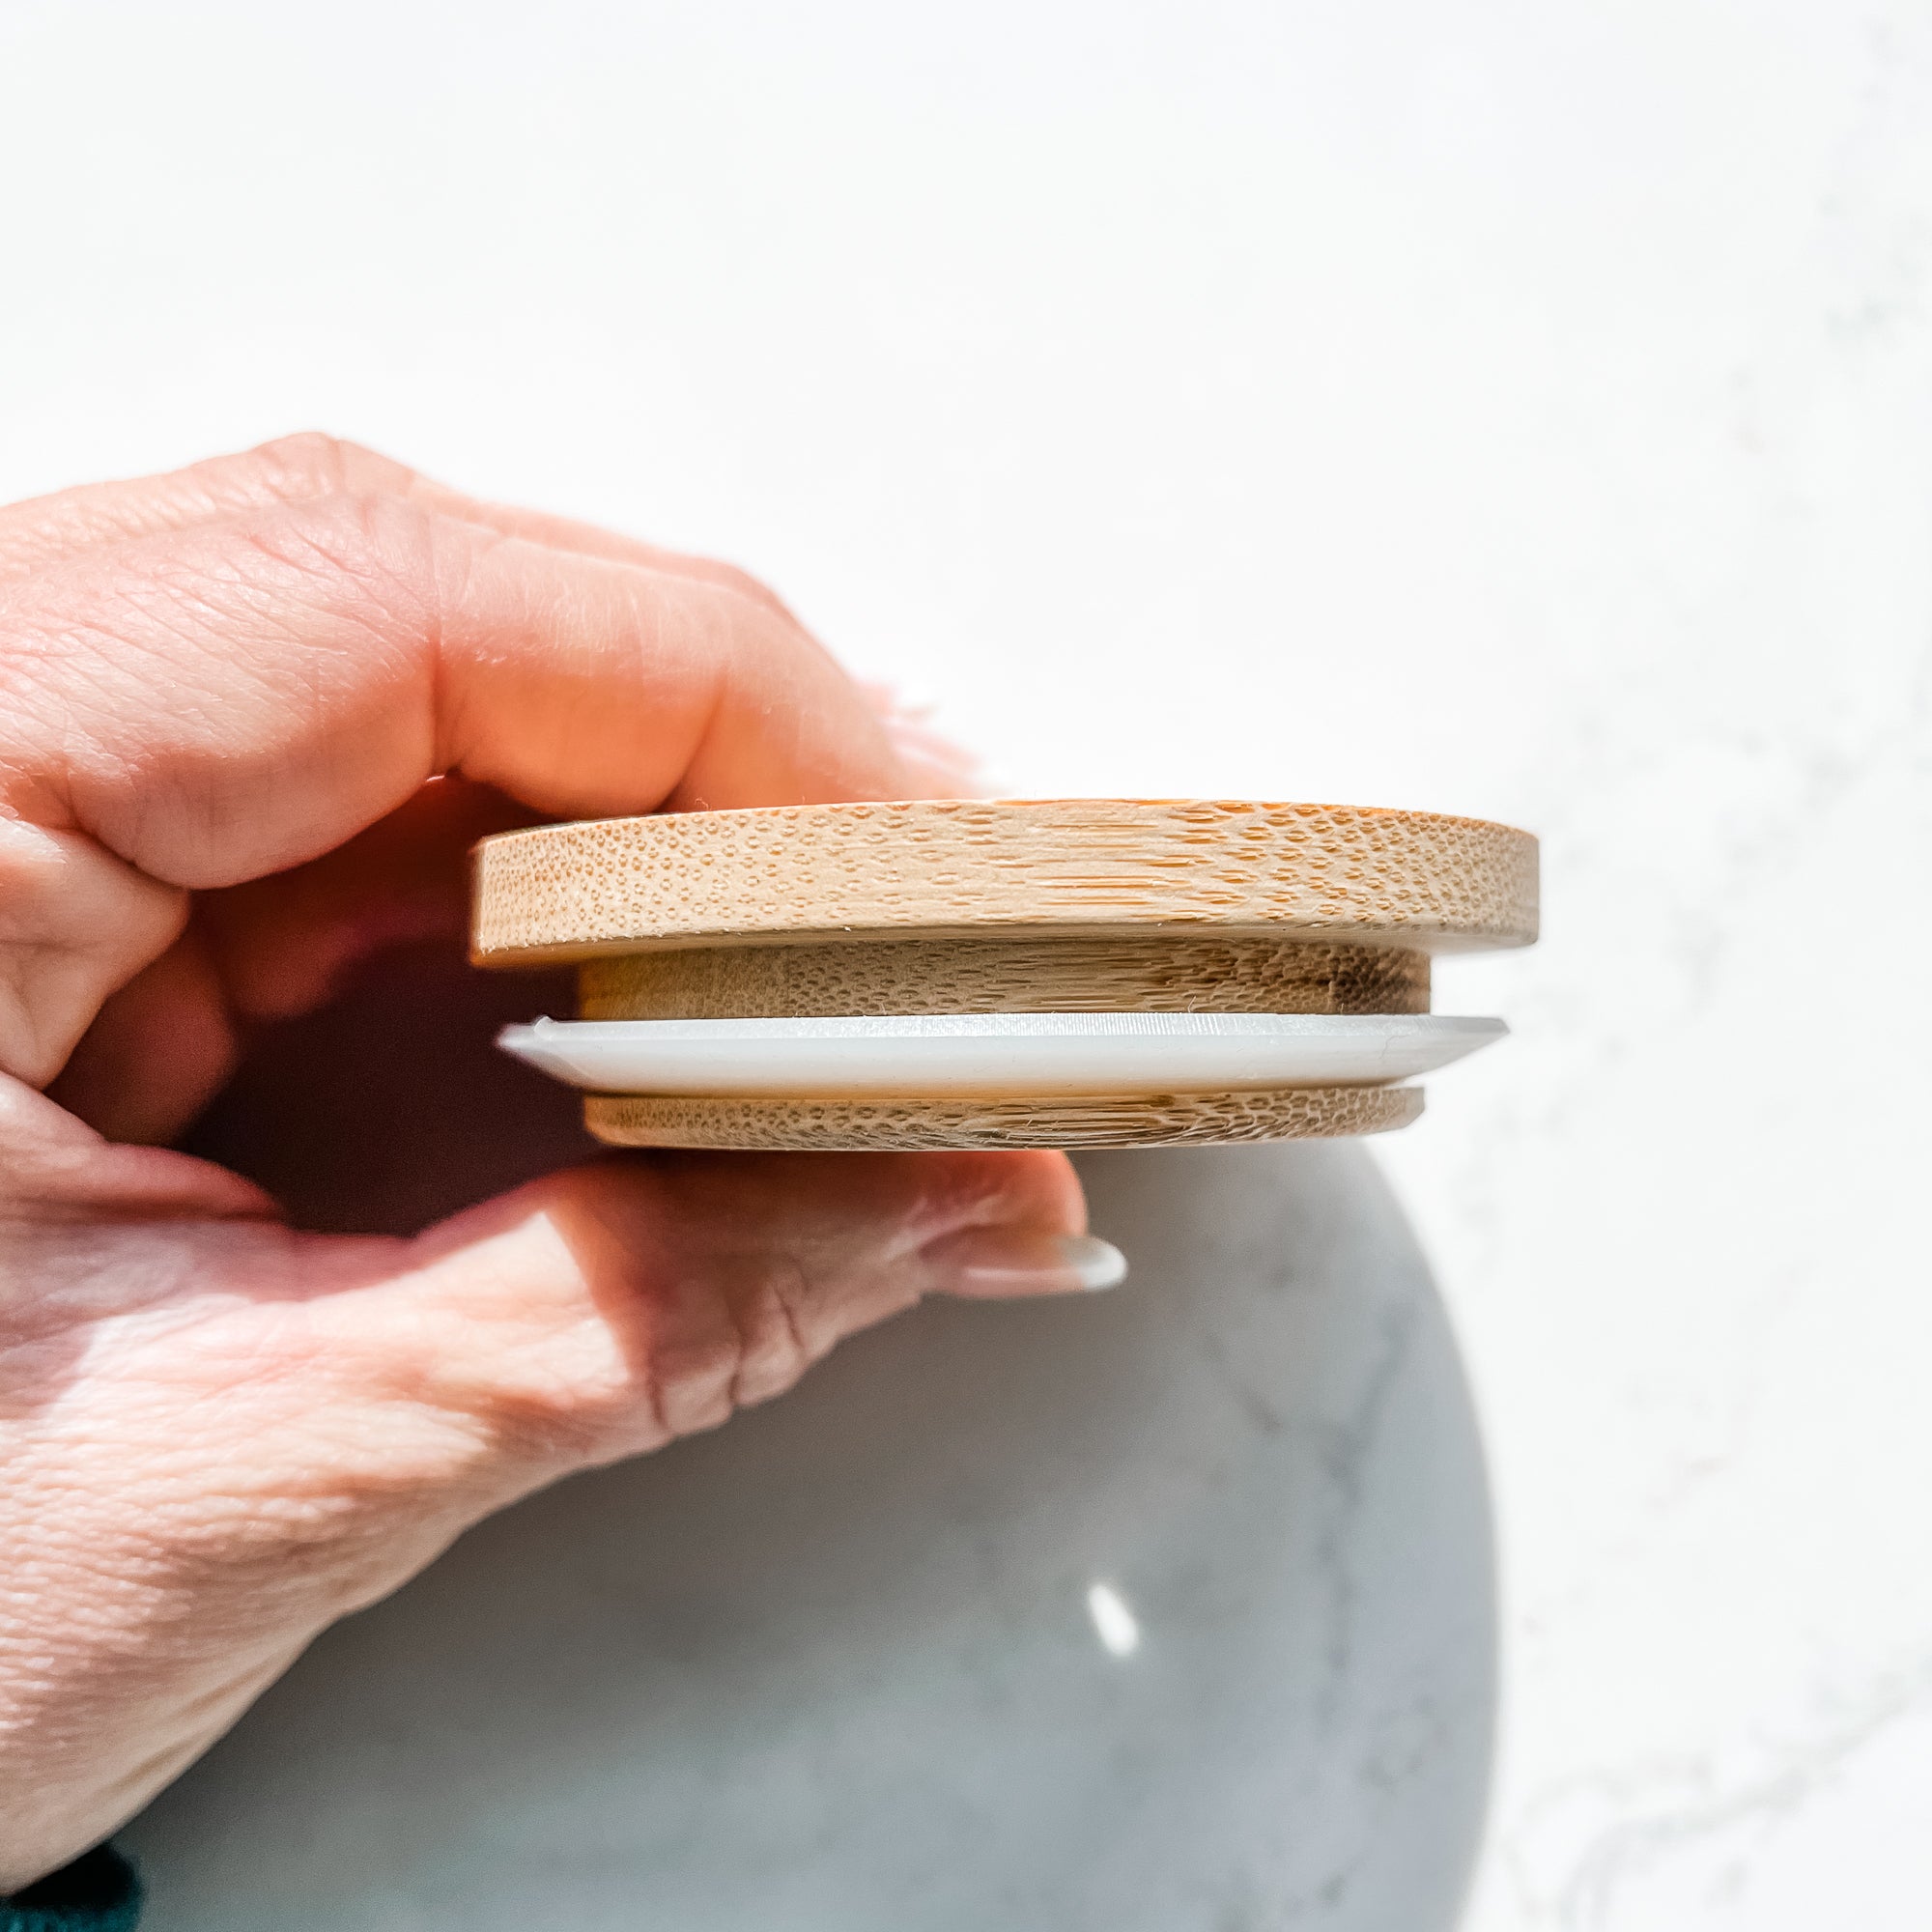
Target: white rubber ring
{"points": [[1018, 1056]]}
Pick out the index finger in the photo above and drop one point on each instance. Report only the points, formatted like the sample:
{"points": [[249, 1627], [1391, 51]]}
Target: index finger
{"points": [[208, 705], [215, 703]]}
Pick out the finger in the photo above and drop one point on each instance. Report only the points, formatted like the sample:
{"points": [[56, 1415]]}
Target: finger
{"points": [[293, 468], [565, 534], [936, 765], [273, 949], [284, 943], [238, 698], [158, 1051], [309, 465], [613, 1307], [219, 704], [303, 469]]}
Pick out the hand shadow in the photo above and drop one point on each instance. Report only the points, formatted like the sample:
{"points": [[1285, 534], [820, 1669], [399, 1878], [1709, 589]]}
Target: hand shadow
{"points": [[1170, 1608], [390, 1106]]}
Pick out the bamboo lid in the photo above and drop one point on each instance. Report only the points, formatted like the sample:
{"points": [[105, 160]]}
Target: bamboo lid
{"points": [[1038, 905], [953, 868]]}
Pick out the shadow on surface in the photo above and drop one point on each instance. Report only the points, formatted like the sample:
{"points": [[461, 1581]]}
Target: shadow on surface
{"points": [[838, 1665]]}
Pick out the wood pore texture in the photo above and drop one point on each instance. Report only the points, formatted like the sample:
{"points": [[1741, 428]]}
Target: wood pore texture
{"points": [[1106, 1120], [1056, 905], [1010, 975], [938, 867]]}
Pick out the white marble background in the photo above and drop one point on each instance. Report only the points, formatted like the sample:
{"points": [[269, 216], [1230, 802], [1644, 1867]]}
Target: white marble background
{"points": [[1514, 410]]}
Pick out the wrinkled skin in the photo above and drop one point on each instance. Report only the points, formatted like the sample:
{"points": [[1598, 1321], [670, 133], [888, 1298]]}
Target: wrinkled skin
{"points": [[251, 716]]}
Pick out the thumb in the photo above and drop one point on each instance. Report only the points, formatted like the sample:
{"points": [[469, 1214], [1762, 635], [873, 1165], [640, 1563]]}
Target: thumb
{"points": [[608, 1309]]}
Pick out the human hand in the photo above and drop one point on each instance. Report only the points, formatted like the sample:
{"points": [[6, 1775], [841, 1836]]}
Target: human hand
{"points": [[251, 716]]}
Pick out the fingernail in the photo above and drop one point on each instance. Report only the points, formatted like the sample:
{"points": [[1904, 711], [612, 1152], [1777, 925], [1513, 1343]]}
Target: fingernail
{"points": [[1007, 1260]]}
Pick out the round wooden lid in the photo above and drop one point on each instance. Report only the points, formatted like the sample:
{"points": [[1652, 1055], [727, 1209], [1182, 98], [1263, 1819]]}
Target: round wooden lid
{"points": [[947, 866]]}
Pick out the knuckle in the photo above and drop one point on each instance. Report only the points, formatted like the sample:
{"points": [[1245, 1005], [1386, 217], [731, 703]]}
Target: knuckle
{"points": [[973, 1186], [372, 544], [314, 463], [742, 584], [773, 1350], [710, 1349]]}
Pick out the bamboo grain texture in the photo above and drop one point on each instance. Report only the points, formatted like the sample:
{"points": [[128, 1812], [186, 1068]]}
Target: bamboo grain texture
{"points": [[1018, 974], [1109, 1121], [949, 868]]}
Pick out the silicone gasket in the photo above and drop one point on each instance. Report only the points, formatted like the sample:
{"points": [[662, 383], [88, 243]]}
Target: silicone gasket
{"points": [[1015, 1056]]}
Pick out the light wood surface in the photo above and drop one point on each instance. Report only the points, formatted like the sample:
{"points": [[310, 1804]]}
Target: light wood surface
{"points": [[941, 867], [1111, 1120], [1018, 974]]}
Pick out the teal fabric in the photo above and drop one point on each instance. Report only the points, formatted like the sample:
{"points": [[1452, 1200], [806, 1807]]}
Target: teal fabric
{"points": [[100, 1891]]}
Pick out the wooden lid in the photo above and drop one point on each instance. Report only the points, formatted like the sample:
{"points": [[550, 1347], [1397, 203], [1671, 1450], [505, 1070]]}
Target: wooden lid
{"points": [[946, 867]]}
